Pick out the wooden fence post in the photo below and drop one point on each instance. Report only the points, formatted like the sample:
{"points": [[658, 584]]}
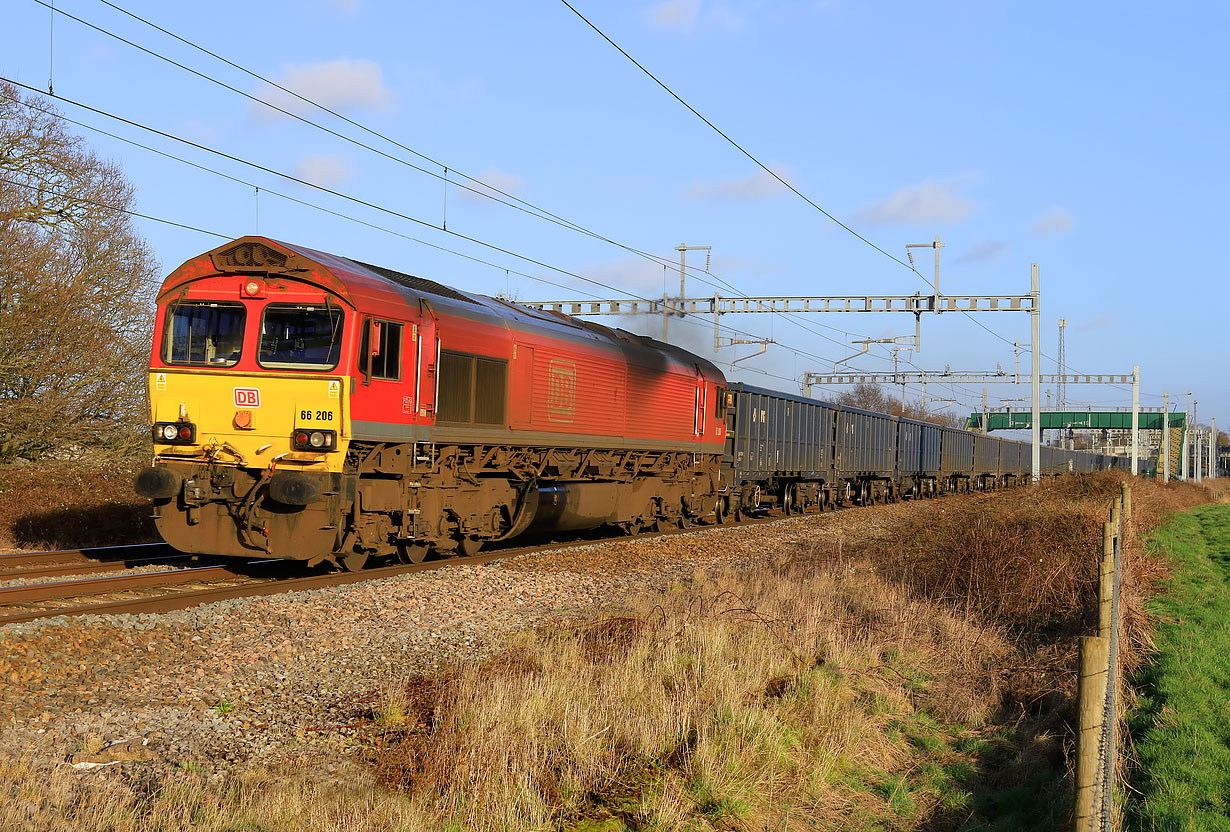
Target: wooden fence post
{"points": [[1127, 504], [1106, 579], [1091, 697]]}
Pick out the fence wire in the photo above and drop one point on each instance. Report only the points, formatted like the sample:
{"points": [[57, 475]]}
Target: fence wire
{"points": [[1103, 820]]}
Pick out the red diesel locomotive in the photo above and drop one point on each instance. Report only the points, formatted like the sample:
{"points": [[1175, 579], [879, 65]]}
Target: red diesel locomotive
{"points": [[312, 407]]}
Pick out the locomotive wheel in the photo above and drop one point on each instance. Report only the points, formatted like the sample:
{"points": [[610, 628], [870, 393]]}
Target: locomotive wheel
{"points": [[354, 562], [469, 546], [719, 511], [412, 552], [684, 521]]}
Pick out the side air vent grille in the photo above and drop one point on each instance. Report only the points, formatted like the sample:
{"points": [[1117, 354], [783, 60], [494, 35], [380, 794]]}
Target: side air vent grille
{"points": [[473, 389]]}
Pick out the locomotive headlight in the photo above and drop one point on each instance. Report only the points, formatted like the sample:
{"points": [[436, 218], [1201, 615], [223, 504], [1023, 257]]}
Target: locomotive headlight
{"points": [[314, 440], [175, 433]]}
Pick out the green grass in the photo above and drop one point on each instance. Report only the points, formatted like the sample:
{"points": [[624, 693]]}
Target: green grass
{"points": [[1182, 726]]}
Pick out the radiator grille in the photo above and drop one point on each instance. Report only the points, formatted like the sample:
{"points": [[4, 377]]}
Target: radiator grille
{"points": [[473, 390], [491, 381], [456, 388]]}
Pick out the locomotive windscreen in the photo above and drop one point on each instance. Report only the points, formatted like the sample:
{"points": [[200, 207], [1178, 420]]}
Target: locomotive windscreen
{"points": [[300, 337], [203, 333]]}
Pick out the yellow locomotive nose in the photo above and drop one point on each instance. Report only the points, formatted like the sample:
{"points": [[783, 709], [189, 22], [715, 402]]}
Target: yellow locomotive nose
{"points": [[249, 420]]}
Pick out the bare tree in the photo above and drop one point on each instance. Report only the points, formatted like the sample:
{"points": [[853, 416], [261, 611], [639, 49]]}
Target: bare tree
{"points": [[868, 397], [77, 284], [872, 397]]}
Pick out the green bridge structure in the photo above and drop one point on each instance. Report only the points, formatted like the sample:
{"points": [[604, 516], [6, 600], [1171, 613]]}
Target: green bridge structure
{"points": [[1021, 419], [1006, 418]]}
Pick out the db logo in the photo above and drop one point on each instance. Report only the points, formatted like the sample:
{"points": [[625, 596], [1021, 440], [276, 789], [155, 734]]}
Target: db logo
{"points": [[247, 397]]}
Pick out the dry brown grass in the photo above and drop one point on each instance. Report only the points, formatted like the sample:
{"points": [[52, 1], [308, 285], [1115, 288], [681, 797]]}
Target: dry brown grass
{"points": [[780, 699], [746, 700], [59, 504], [1027, 560], [739, 701]]}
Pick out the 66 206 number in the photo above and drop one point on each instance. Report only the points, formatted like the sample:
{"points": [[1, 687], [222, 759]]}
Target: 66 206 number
{"points": [[316, 415]]}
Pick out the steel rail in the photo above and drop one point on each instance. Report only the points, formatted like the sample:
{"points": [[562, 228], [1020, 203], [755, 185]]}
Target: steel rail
{"points": [[115, 583], [98, 553], [88, 568], [183, 600]]}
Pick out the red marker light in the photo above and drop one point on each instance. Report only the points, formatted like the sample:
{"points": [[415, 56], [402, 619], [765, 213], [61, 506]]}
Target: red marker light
{"points": [[301, 439], [185, 432]]}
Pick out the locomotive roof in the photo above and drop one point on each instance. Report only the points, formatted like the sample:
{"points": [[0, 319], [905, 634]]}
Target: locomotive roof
{"points": [[369, 287]]}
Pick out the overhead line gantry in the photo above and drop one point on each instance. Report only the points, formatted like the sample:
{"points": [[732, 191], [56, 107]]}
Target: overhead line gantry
{"points": [[915, 304]]}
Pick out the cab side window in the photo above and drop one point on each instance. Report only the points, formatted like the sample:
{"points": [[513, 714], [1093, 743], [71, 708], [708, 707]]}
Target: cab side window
{"points": [[386, 355]]}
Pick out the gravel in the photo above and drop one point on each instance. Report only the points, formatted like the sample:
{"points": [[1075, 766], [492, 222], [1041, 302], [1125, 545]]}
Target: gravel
{"points": [[251, 681]]}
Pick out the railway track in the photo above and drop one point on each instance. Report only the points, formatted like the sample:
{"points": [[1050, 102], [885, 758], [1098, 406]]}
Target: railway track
{"points": [[233, 581], [97, 555]]}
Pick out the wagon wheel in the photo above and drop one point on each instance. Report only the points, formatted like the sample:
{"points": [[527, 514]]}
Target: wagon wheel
{"points": [[354, 561], [720, 508], [653, 520], [632, 528], [788, 499], [469, 546], [684, 521], [412, 552]]}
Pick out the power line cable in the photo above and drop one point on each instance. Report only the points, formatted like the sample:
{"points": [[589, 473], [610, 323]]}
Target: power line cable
{"points": [[42, 186], [732, 142], [540, 212], [298, 201], [523, 206], [536, 210], [759, 163], [305, 203], [323, 189]]}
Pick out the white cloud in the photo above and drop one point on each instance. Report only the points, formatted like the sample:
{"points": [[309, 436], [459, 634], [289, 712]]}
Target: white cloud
{"points": [[687, 15], [633, 274], [931, 202], [326, 171], [341, 85], [759, 185], [1054, 221], [509, 183], [985, 250], [674, 14]]}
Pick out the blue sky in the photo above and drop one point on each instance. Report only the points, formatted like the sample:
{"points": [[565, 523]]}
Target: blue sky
{"points": [[1089, 138]]}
